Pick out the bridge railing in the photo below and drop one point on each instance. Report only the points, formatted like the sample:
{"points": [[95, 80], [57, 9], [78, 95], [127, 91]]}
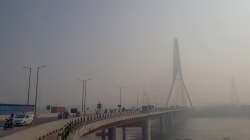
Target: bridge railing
{"points": [[61, 129], [74, 123], [77, 122]]}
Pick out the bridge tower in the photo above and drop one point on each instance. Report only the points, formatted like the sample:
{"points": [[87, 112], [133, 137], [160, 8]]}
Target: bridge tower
{"points": [[178, 87], [234, 96]]}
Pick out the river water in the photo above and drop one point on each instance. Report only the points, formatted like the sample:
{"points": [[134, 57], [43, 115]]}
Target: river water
{"points": [[214, 129], [200, 129]]}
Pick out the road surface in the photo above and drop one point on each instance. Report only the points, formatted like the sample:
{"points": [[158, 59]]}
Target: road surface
{"points": [[35, 122]]}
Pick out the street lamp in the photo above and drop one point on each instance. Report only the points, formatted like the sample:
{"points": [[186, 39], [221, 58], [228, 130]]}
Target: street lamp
{"points": [[29, 68], [85, 99], [37, 79], [84, 94], [137, 101], [120, 105]]}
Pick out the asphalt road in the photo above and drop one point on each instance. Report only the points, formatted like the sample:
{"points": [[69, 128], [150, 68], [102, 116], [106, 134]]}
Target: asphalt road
{"points": [[19, 128]]}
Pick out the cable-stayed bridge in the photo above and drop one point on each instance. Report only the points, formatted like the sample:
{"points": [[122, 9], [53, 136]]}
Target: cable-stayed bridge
{"points": [[105, 124], [178, 87]]}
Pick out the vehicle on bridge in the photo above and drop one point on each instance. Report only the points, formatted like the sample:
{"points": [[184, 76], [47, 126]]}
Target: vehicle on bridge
{"points": [[63, 115], [57, 109], [8, 112], [23, 119], [147, 108]]}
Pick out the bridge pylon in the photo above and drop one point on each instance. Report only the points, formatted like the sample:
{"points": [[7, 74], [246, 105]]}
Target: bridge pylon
{"points": [[178, 86], [235, 101]]}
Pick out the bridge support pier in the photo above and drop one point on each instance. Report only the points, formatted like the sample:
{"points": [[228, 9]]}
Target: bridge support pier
{"points": [[168, 121], [112, 133], [163, 124], [171, 120], [146, 130], [107, 134], [123, 133], [103, 134]]}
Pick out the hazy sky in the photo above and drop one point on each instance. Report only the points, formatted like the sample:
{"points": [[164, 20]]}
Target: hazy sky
{"points": [[124, 43]]}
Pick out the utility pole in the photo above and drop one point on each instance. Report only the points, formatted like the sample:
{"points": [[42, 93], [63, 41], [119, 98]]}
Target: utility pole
{"points": [[37, 80], [29, 75]]}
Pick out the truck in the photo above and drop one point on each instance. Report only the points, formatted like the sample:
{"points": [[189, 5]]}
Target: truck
{"points": [[57, 109]]}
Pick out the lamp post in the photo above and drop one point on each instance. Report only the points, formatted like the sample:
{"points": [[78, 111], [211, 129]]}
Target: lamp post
{"points": [[37, 80], [120, 97], [29, 68], [137, 101], [120, 103], [84, 95]]}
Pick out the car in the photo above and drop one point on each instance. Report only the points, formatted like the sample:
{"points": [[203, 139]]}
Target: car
{"points": [[23, 119]]}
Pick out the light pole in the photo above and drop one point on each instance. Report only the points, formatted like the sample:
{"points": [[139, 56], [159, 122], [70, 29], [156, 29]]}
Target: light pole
{"points": [[120, 97], [37, 79], [29, 75], [84, 94], [120, 104], [137, 101]]}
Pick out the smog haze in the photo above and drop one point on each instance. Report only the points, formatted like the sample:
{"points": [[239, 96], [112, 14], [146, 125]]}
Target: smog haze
{"points": [[124, 44]]}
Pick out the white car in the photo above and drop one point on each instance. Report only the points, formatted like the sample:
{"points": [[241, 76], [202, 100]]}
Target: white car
{"points": [[23, 119]]}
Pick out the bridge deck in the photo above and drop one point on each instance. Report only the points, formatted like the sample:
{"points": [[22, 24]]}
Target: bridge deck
{"points": [[47, 129]]}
